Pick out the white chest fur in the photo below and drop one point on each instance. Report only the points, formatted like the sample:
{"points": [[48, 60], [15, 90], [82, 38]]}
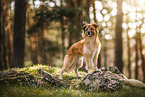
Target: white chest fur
{"points": [[90, 49]]}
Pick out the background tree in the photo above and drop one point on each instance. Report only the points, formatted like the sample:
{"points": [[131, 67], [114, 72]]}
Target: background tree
{"points": [[118, 37], [128, 53], [32, 37], [19, 33], [6, 49], [1, 37]]}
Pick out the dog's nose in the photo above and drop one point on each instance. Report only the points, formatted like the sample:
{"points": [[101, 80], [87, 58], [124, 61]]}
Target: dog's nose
{"points": [[89, 33]]}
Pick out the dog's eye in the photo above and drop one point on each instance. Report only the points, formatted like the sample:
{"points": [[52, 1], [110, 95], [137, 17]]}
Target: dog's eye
{"points": [[92, 29]]}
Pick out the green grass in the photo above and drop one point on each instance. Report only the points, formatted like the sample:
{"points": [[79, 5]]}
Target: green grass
{"points": [[72, 91], [21, 91]]}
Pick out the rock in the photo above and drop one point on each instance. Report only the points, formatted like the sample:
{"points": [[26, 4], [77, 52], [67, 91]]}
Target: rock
{"points": [[134, 83], [108, 79], [8, 78], [51, 79]]}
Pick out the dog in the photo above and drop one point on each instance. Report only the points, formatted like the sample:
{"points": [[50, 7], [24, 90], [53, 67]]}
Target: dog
{"points": [[88, 48]]}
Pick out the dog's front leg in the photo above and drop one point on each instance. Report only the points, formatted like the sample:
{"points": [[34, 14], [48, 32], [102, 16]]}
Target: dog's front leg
{"points": [[94, 64], [95, 59], [88, 61]]}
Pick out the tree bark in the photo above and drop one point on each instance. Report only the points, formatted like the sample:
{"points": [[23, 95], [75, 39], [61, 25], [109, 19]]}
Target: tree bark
{"points": [[128, 51], [5, 47], [118, 37], [19, 33], [33, 47], [142, 56], [136, 57], [1, 37], [129, 55], [94, 12]]}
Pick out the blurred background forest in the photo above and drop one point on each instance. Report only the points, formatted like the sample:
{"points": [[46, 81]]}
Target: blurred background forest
{"points": [[41, 31]]}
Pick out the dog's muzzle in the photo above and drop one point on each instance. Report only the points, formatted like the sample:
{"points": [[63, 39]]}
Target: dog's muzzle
{"points": [[90, 33]]}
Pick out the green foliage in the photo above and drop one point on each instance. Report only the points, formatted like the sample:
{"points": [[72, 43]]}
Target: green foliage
{"points": [[72, 91], [43, 18]]}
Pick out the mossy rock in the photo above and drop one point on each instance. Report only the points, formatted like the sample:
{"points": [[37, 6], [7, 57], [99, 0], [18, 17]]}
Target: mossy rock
{"points": [[106, 79]]}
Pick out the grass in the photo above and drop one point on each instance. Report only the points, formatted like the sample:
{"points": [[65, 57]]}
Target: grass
{"points": [[25, 91], [21, 91]]}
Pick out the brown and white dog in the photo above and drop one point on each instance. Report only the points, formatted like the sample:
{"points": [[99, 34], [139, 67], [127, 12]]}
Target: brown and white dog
{"points": [[88, 48]]}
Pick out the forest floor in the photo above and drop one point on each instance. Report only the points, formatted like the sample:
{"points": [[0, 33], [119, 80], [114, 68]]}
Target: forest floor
{"points": [[69, 79]]}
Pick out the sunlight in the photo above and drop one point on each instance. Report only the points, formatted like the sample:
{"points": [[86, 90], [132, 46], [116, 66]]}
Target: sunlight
{"points": [[132, 15], [109, 24], [139, 23], [12, 5], [114, 12], [37, 4], [104, 11], [132, 25], [143, 51], [131, 33], [141, 2], [125, 7], [99, 16], [108, 37], [91, 16], [98, 5], [143, 29], [139, 16], [51, 4], [124, 25], [91, 9], [106, 17], [103, 24]]}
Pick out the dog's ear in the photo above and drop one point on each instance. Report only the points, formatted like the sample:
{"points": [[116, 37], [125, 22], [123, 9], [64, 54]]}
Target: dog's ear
{"points": [[95, 25], [83, 28]]}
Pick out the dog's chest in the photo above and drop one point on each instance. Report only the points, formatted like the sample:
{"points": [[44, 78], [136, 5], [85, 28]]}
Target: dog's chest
{"points": [[90, 49]]}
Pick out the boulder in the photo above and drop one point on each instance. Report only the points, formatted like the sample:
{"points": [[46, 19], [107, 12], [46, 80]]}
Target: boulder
{"points": [[105, 79], [14, 77]]}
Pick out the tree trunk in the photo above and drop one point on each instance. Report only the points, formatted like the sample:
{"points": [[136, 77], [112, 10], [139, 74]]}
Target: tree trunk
{"points": [[1, 37], [33, 39], [33, 47], [129, 55], [136, 57], [94, 12], [142, 56], [62, 33], [86, 11], [7, 35], [43, 51], [105, 54], [5, 48], [128, 50], [62, 36], [118, 37], [19, 33]]}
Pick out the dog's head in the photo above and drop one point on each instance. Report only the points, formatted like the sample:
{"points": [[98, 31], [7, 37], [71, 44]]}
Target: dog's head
{"points": [[90, 30]]}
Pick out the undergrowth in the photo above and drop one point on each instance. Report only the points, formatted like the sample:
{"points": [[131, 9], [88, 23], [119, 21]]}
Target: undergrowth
{"points": [[72, 91]]}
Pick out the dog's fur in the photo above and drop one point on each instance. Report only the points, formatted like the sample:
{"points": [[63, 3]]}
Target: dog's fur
{"points": [[89, 48]]}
